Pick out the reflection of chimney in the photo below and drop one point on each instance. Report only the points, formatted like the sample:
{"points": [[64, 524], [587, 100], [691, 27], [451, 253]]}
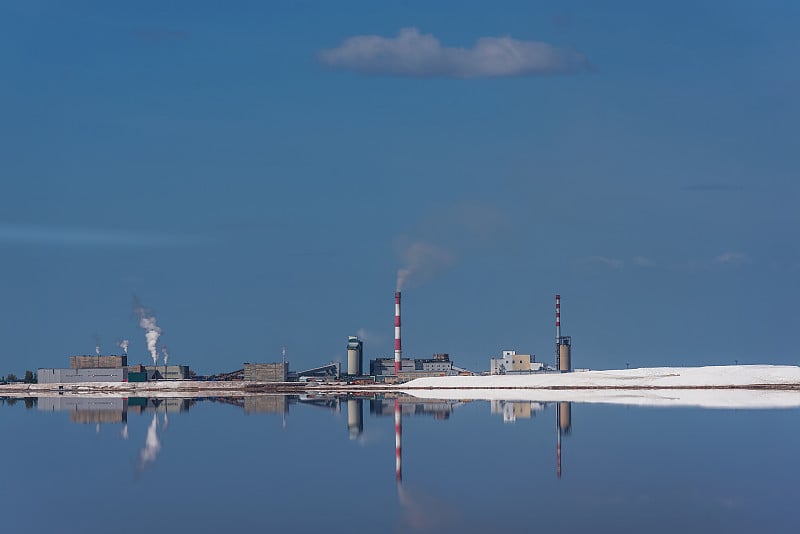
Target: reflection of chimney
{"points": [[397, 345], [563, 426], [398, 433]]}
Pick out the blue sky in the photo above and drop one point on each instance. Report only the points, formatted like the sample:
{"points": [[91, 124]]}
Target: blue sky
{"points": [[257, 174]]}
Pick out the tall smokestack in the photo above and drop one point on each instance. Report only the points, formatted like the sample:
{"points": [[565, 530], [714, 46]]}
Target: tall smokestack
{"points": [[558, 329], [398, 434], [558, 319], [397, 345]]}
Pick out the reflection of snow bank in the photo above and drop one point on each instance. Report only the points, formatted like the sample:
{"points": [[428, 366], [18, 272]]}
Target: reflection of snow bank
{"points": [[741, 376], [704, 398]]}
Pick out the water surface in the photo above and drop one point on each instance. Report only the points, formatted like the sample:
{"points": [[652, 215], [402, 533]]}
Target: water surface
{"points": [[330, 464]]}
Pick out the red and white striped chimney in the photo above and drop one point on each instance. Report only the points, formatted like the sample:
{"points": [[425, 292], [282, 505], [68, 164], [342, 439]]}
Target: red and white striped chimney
{"points": [[558, 319], [397, 345], [398, 434]]}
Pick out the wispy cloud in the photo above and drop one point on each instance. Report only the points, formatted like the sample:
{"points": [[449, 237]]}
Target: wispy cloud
{"points": [[642, 261], [712, 188], [732, 258], [87, 237], [415, 54], [603, 261]]}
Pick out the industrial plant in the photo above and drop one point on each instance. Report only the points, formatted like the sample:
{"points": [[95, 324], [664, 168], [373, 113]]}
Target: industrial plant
{"points": [[98, 368]]}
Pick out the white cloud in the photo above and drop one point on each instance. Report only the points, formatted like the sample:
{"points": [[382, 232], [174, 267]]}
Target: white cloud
{"points": [[611, 263], [642, 261], [732, 258], [65, 236], [412, 53]]}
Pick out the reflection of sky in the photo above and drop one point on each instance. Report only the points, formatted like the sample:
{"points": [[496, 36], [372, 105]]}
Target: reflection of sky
{"points": [[625, 468]]}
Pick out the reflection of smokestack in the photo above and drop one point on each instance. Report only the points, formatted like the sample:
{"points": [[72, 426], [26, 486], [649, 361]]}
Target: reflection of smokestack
{"points": [[397, 345], [563, 426], [398, 449], [558, 441]]}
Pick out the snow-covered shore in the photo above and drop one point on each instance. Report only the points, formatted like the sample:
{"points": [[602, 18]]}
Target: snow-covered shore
{"points": [[727, 376], [675, 398]]}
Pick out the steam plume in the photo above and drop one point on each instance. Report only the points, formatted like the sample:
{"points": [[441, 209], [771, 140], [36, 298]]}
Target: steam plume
{"points": [[151, 330], [97, 345], [422, 260], [165, 354], [123, 344]]}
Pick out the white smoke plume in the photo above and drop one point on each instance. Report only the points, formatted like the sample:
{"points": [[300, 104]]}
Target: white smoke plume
{"points": [[151, 444], [422, 260], [165, 354], [97, 345], [151, 330], [123, 344]]}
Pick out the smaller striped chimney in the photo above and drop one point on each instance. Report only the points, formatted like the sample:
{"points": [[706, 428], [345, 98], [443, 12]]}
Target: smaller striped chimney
{"points": [[397, 345]]}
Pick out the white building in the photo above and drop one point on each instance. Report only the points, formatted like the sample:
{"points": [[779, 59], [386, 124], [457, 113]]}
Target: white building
{"points": [[511, 362]]}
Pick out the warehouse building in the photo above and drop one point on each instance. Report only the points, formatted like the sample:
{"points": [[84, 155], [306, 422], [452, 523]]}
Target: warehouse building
{"points": [[74, 376], [266, 372], [438, 365], [97, 362], [512, 363], [166, 372]]}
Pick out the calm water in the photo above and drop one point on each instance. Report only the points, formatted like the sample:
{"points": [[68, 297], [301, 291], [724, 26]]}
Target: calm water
{"points": [[272, 464]]}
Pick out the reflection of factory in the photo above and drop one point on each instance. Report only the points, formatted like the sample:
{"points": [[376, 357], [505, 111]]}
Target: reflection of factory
{"points": [[439, 409], [111, 409], [513, 410], [87, 410], [142, 405]]}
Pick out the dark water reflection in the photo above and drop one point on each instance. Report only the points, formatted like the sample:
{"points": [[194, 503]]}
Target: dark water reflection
{"points": [[365, 463]]}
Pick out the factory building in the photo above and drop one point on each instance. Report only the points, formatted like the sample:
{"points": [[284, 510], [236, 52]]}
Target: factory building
{"points": [[97, 362], [512, 363], [74, 376], [266, 372], [165, 372], [439, 365]]}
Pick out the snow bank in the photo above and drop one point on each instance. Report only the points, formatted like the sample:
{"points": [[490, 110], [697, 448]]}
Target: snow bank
{"points": [[702, 398], [730, 376]]}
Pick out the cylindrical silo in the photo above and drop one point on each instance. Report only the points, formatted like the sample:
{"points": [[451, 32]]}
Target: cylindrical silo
{"points": [[564, 362], [355, 349]]}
